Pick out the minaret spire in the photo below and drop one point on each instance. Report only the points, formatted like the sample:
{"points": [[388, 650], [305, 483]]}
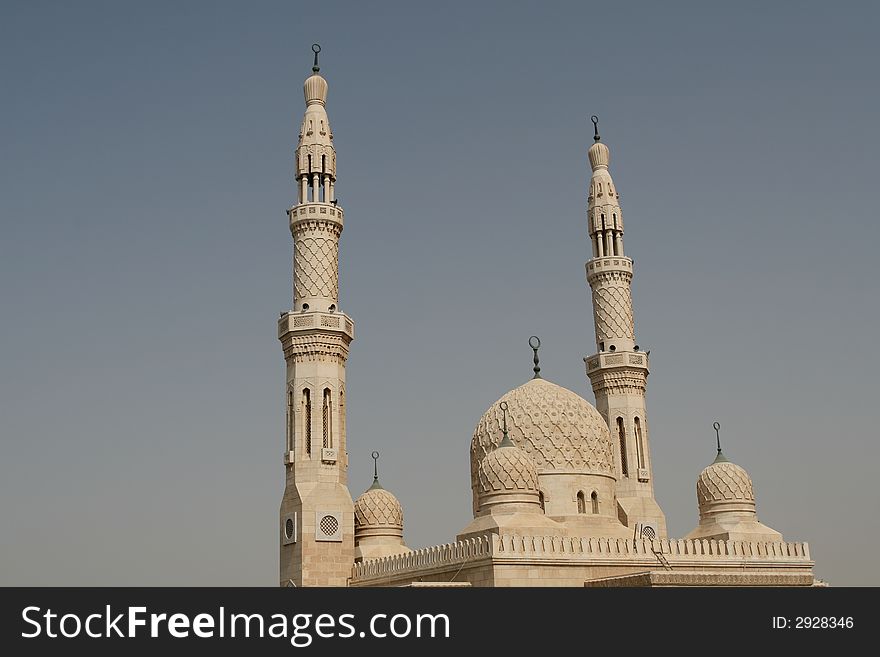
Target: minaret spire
{"points": [[376, 483], [505, 439], [618, 371], [535, 344], [317, 517], [719, 457], [316, 48]]}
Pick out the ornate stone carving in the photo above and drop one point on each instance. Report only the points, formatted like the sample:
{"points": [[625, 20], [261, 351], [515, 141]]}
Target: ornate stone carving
{"points": [[316, 346], [619, 382], [507, 469], [559, 430], [724, 481], [612, 306], [315, 265], [378, 507]]}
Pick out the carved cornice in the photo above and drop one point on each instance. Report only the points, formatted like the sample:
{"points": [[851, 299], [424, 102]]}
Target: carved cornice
{"points": [[315, 345], [622, 381]]}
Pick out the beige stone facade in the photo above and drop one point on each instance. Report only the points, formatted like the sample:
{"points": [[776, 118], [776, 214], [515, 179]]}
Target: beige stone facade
{"points": [[562, 490], [316, 528]]}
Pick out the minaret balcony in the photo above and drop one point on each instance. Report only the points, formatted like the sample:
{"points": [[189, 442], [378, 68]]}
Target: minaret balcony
{"points": [[609, 263], [315, 211], [616, 360], [310, 322]]}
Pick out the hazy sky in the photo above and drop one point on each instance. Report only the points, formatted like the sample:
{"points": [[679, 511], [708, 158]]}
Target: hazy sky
{"points": [[147, 160]]}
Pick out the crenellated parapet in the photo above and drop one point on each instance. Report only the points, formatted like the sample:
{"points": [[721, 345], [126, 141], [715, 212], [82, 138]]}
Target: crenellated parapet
{"points": [[599, 555]]}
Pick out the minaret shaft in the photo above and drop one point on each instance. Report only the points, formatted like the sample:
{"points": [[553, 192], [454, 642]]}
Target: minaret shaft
{"points": [[317, 513], [618, 371]]}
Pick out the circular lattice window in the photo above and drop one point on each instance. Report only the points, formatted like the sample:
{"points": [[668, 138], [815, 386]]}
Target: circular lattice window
{"points": [[648, 533], [329, 525], [288, 528]]}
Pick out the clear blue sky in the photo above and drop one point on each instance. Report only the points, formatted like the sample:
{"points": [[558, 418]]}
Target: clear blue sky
{"points": [[144, 258]]}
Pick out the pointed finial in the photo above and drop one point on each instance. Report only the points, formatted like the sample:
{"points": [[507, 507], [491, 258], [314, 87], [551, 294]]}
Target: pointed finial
{"points": [[316, 49], [534, 343], [719, 458], [505, 440], [376, 483], [595, 120]]}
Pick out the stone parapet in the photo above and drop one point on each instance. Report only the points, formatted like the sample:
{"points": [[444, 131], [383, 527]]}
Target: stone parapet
{"points": [[634, 360], [308, 322], [542, 550], [315, 211]]}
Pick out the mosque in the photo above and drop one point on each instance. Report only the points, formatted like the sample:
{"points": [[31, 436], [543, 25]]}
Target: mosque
{"points": [[563, 490]]}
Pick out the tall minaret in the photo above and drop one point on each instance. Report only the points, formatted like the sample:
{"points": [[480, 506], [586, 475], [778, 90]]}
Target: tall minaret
{"points": [[317, 513], [619, 370]]}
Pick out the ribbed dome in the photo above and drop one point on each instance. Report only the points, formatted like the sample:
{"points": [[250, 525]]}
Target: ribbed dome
{"points": [[724, 481], [599, 155], [507, 469], [560, 431], [315, 89], [377, 507]]}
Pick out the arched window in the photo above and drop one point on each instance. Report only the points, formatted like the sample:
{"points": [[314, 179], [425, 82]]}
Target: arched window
{"points": [[307, 420], [640, 448], [327, 419], [582, 503], [595, 499], [541, 500], [621, 434]]}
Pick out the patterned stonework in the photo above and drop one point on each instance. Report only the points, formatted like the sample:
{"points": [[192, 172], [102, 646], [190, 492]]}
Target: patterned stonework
{"points": [[316, 346], [507, 469], [619, 382], [723, 482], [559, 430], [612, 306], [317, 152], [378, 507], [316, 265]]}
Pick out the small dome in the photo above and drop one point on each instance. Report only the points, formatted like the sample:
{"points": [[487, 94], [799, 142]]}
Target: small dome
{"points": [[723, 481], [559, 430], [315, 89], [507, 469], [599, 155], [377, 507]]}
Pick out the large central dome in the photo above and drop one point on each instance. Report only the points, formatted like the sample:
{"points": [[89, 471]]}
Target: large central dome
{"points": [[560, 430]]}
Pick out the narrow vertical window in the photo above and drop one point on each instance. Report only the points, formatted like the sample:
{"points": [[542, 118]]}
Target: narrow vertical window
{"points": [[326, 417], [582, 502], [307, 420], [541, 500], [640, 449], [621, 434], [595, 499], [289, 420], [341, 418]]}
